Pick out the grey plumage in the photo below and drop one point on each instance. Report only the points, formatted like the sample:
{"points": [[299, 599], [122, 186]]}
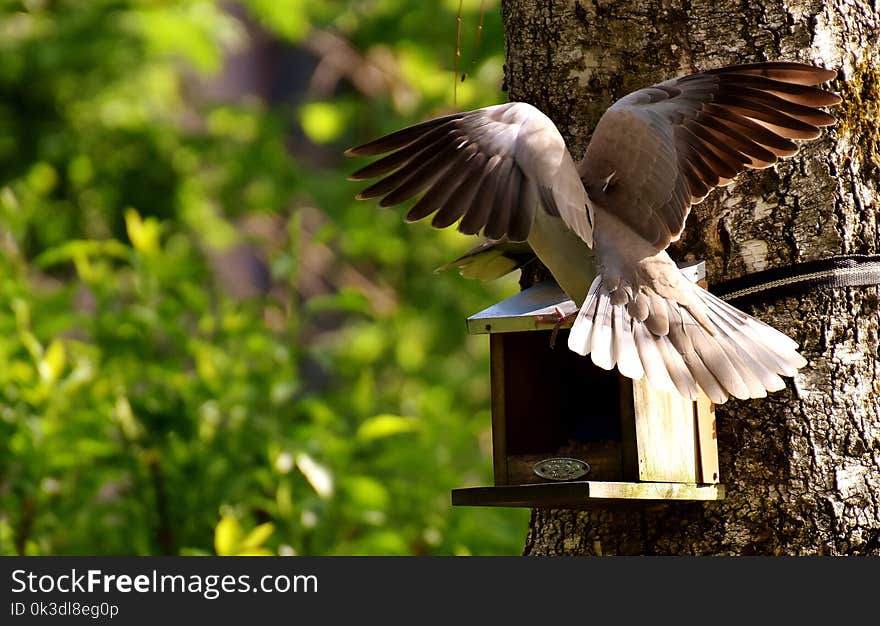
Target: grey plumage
{"points": [[602, 227]]}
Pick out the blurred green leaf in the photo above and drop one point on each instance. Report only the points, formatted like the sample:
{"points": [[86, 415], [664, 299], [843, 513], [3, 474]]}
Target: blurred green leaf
{"points": [[227, 536], [323, 122], [288, 19], [53, 362], [367, 493], [385, 426], [144, 234], [319, 476], [258, 536]]}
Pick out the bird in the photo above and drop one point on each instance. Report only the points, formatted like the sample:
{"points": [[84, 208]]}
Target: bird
{"points": [[602, 226]]}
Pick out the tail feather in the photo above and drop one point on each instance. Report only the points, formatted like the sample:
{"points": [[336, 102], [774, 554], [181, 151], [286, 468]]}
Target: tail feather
{"points": [[759, 362], [679, 334], [658, 320], [705, 344], [716, 361], [707, 381], [579, 337], [600, 340], [625, 352], [744, 365], [778, 351], [652, 360], [678, 370], [755, 327]]}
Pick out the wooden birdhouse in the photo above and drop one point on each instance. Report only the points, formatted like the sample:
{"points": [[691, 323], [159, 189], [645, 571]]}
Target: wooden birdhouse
{"points": [[568, 434]]}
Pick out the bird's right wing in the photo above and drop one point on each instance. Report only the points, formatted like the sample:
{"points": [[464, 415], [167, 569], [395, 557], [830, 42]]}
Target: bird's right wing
{"points": [[487, 168]]}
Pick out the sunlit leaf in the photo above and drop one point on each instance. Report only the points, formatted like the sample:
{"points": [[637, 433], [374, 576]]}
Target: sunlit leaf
{"points": [[288, 19], [319, 477], [53, 362], [143, 233], [323, 122], [257, 537], [227, 536], [255, 552], [385, 426]]}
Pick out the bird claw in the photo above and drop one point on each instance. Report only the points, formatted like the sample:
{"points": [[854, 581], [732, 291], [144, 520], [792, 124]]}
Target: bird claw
{"points": [[561, 319]]}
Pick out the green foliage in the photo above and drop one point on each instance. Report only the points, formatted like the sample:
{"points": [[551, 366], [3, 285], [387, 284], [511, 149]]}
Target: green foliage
{"points": [[150, 401]]}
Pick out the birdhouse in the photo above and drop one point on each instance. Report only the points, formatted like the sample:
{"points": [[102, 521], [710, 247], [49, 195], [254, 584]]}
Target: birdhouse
{"points": [[568, 434]]}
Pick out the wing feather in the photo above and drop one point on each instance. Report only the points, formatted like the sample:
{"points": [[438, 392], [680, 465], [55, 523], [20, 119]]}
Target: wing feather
{"points": [[707, 127], [489, 168]]}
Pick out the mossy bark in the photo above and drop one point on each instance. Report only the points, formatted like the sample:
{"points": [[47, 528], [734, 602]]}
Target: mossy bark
{"points": [[802, 467]]}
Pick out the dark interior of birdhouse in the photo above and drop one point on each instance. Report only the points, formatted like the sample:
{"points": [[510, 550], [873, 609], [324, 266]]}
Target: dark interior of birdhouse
{"points": [[555, 403]]}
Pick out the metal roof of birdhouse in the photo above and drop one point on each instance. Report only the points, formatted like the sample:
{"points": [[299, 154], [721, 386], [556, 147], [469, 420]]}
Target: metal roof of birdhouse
{"points": [[539, 306]]}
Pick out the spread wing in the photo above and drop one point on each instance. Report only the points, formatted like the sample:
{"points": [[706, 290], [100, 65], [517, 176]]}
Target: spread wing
{"points": [[487, 169], [658, 150]]}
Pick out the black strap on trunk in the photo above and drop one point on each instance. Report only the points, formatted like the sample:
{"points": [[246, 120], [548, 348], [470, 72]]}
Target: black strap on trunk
{"points": [[852, 270]]}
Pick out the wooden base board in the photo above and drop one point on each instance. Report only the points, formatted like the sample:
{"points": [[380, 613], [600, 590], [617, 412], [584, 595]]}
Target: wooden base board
{"points": [[578, 494]]}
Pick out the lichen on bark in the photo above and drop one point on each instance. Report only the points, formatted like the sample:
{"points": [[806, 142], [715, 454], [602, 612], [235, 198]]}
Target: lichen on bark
{"points": [[859, 116], [802, 467]]}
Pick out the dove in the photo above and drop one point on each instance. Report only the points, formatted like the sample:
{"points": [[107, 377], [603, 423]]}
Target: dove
{"points": [[602, 226]]}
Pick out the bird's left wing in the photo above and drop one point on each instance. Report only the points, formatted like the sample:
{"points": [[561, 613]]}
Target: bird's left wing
{"points": [[487, 168]]}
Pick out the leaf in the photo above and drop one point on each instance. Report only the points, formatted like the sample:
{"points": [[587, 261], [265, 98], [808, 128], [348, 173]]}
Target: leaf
{"points": [[319, 477], [53, 362], [386, 425], [227, 536], [144, 234], [257, 537], [367, 493], [322, 122], [284, 500], [42, 178], [79, 248], [288, 19], [255, 552]]}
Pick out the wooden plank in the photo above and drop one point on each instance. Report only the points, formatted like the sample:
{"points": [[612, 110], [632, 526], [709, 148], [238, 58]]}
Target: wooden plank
{"points": [[579, 494], [707, 440], [629, 451], [548, 494], [665, 435], [499, 416], [656, 491], [707, 433]]}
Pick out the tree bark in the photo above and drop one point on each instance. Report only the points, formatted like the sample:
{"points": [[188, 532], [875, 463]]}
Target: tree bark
{"points": [[801, 467]]}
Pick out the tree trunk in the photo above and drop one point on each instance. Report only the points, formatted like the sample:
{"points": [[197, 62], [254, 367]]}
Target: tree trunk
{"points": [[801, 467]]}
